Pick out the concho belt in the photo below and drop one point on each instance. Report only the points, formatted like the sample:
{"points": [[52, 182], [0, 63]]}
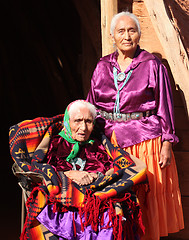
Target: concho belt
{"points": [[125, 116]]}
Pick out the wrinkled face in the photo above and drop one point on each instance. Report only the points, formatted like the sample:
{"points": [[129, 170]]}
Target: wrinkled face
{"points": [[126, 35], [81, 124]]}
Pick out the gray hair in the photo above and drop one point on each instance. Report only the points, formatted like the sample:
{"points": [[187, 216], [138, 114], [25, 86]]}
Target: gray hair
{"points": [[82, 104], [121, 14]]}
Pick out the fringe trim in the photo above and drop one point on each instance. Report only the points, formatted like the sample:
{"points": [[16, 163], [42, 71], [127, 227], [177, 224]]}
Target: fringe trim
{"points": [[93, 212], [92, 209], [33, 210]]}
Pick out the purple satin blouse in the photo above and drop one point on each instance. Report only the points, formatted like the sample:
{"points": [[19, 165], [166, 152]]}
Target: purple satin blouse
{"points": [[97, 159], [147, 89]]}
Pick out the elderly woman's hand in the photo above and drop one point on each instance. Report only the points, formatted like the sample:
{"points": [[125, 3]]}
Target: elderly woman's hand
{"points": [[165, 155], [81, 177]]}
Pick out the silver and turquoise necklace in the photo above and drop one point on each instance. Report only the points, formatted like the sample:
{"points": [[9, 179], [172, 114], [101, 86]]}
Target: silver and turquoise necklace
{"points": [[119, 77]]}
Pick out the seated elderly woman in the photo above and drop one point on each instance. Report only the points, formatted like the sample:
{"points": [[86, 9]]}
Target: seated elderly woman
{"points": [[81, 159], [73, 152]]}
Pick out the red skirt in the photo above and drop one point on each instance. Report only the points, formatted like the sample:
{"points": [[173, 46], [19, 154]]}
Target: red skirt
{"points": [[161, 205]]}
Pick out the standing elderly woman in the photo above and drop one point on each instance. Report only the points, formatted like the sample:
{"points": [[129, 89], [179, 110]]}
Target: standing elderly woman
{"points": [[131, 91]]}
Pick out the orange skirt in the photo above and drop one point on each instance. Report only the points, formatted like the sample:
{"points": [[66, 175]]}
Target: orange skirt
{"points": [[161, 206]]}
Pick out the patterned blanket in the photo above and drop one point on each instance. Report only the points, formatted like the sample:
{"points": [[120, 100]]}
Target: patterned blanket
{"points": [[29, 141]]}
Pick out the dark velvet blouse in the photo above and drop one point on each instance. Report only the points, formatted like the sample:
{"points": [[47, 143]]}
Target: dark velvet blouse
{"points": [[97, 159]]}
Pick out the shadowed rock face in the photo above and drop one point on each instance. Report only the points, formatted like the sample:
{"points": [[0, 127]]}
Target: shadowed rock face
{"points": [[179, 12]]}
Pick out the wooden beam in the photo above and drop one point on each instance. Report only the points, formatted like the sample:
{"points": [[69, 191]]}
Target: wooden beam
{"points": [[108, 9], [172, 44]]}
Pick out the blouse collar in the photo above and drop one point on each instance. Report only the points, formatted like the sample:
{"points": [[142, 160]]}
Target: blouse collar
{"points": [[139, 57]]}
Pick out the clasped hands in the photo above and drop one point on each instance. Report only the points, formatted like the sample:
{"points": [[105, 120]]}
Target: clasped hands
{"points": [[81, 177]]}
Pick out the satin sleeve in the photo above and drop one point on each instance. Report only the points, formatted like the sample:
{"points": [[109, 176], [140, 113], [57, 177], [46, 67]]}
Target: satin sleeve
{"points": [[102, 92], [165, 110]]}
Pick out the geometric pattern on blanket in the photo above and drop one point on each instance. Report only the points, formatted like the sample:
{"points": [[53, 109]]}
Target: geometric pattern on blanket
{"points": [[38, 231], [29, 141]]}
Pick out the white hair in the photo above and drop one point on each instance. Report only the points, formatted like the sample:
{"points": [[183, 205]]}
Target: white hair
{"points": [[82, 104], [121, 14]]}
